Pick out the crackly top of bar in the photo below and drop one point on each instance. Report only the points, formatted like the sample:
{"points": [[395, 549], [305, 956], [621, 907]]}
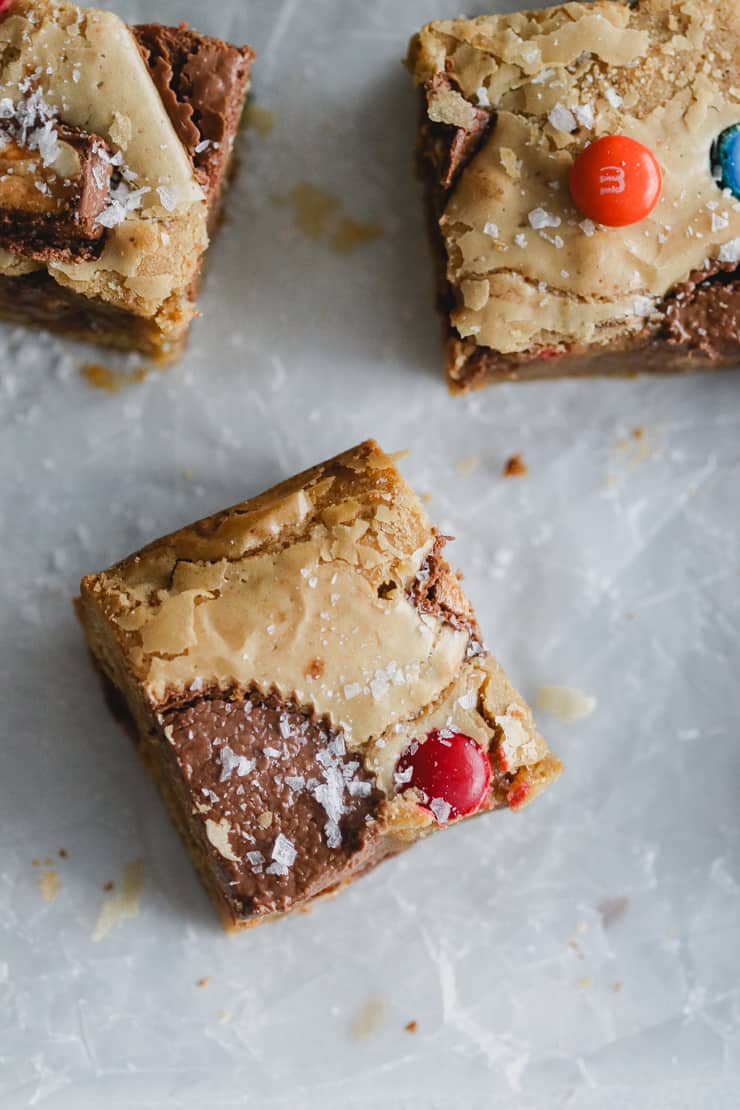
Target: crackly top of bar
{"points": [[528, 269], [307, 589]]}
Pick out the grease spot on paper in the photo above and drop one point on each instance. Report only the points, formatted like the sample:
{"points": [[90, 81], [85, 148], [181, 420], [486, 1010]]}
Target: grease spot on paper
{"points": [[49, 885], [370, 1018], [318, 213], [102, 377], [352, 233], [467, 465], [566, 702], [259, 119], [122, 905]]}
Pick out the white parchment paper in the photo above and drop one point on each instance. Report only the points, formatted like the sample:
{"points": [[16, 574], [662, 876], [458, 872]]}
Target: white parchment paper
{"points": [[583, 954]]}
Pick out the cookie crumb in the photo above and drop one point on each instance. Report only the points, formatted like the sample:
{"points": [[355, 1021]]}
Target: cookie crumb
{"points": [[63, 853], [515, 467], [370, 1018], [411, 1026], [204, 981]]}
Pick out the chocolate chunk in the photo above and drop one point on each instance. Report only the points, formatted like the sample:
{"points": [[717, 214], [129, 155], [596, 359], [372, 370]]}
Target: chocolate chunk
{"points": [[202, 82], [703, 313], [437, 590], [288, 811], [50, 200], [446, 150]]}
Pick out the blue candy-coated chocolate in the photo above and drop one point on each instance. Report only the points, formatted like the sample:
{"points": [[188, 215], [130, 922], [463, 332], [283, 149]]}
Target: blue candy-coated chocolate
{"points": [[726, 159]]}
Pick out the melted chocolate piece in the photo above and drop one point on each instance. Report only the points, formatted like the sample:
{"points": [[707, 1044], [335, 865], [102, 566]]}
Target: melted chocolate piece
{"points": [[703, 314], [202, 82], [46, 216], [436, 590], [270, 776], [445, 149]]}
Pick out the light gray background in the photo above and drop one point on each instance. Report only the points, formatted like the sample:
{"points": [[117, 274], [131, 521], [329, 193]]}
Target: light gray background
{"points": [[610, 567]]}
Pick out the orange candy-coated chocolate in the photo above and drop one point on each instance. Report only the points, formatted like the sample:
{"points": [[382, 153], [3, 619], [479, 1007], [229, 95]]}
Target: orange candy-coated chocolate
{"points": [[616, 181]]}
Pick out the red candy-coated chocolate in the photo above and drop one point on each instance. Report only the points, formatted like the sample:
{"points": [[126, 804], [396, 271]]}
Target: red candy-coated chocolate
{"points": [[448, 769], [4, 5], [616, 181]]}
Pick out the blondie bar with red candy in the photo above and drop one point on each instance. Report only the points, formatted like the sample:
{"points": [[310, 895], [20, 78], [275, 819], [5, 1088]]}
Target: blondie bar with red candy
{"points": [[306, 680], [582, 171]]}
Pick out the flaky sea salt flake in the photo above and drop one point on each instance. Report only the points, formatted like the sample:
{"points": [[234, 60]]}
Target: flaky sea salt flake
{"points": [[562, 119], [169, 196], [231, 762], [540, 217], [584, 113], [402, 777], [284, 726], [283, 851], [257, 862], [441, 810]]}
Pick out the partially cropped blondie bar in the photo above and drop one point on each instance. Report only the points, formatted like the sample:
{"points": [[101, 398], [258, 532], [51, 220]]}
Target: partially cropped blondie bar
{"points": [[306, 680], [582, 170], [115, 146]]}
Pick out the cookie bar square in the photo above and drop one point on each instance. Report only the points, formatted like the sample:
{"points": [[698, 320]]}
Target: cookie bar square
{"points": [[307, 683], [115, 147], [533, 285]]}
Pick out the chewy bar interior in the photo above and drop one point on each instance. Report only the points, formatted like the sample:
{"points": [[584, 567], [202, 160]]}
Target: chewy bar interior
{"points": [[115, 144], [306, 680], [582, 169]]}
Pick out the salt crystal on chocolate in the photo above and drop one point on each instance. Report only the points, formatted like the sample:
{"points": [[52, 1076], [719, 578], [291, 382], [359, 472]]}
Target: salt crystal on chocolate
{"points": [[284, 851], [231, 762]]}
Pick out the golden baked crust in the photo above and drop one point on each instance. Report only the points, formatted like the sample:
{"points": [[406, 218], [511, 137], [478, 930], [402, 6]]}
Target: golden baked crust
{"points": [[526, 270], [306, 597]]}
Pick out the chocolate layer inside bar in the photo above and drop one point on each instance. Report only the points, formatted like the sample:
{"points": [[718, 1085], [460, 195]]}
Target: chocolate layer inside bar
{"points": [[701, 317], [48, 212]]}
